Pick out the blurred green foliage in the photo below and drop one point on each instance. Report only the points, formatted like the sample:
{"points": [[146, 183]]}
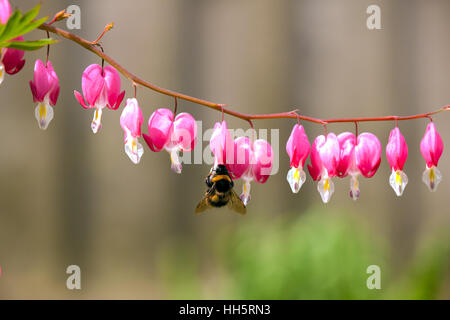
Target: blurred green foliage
{"points": [[317, 255]]}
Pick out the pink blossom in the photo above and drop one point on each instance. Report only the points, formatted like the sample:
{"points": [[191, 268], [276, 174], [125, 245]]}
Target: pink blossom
{"points": [[431, 148], [5, 11], [101, 88], [325, 155], [298, 148], [131, 122], [173, 135], [252, 161], [358, 156], [45, 91], [396, 153], [11, 60], [221, 145], [160, 127], [241, 156]]}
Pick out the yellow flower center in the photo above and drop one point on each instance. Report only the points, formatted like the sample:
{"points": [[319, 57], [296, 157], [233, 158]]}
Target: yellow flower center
{"points": [[42, 111], [398, 178], [432, 175], [326, 185], [296, 175]]}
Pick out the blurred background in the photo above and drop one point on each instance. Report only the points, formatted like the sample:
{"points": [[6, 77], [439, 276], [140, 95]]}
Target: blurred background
{"points": [[69, 197]]}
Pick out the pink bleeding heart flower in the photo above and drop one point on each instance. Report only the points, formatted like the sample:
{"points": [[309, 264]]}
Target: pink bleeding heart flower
{"points": [[396, 153], [11, 60], [431, 148], [325, 155], [45, 91], [358, 156], [173, 135], [251, 161], [101, 88], [131, 121], [5, 11], [298, 149], [222, 145], [241, 154]]}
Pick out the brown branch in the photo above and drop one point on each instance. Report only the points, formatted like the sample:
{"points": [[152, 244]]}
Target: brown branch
{"points": [[93, 47]]}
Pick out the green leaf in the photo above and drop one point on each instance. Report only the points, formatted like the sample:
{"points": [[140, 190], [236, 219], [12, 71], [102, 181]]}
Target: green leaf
{"points": [[18, 25], [28, 45], [30, 27], [10, 26]]}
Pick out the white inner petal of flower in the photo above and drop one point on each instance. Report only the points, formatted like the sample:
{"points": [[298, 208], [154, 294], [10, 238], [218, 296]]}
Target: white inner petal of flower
{"points": [[431, 177], [97, 120], [2, 72], [354, 187], [296, 177], [175, 162], [44, 114], [245, 196], [398, 181], [133, 148], [325, 187]]}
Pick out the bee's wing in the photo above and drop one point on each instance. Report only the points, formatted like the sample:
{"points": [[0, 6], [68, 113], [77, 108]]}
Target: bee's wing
{"points": [[203, 205], [236, 203]]}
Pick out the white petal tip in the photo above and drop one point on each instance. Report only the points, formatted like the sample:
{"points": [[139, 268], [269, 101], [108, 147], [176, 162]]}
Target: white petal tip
{"points": [[296, 177], [432, 177], [96, 123], [398, 181], [175, 163], [2, 73], [354, 188], [245, 196], [177, 168], [326, 189], [134, 150], [44, 115]]}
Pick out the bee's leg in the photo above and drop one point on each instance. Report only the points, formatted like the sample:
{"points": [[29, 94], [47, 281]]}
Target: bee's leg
{"points": [[208, 182]]}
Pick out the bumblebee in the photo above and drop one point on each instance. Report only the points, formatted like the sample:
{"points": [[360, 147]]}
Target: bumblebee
{"points": [[220, 192]]}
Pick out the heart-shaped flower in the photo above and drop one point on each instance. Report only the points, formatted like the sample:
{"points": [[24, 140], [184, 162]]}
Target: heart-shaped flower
{"points": [[397, 153], [431, 148], [358, 156], [173, 135], [101, 88], [45, 90]]}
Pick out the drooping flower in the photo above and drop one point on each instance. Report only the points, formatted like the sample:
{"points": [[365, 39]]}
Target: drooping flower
{"points": [[298, 148], [358, 156], [101, 88], [239, 157], [324, 163], [173, 135], [11, 60], [431, 148], [222, 145], [131, 121], [251, 161], [396, 153], [45, 90]]}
